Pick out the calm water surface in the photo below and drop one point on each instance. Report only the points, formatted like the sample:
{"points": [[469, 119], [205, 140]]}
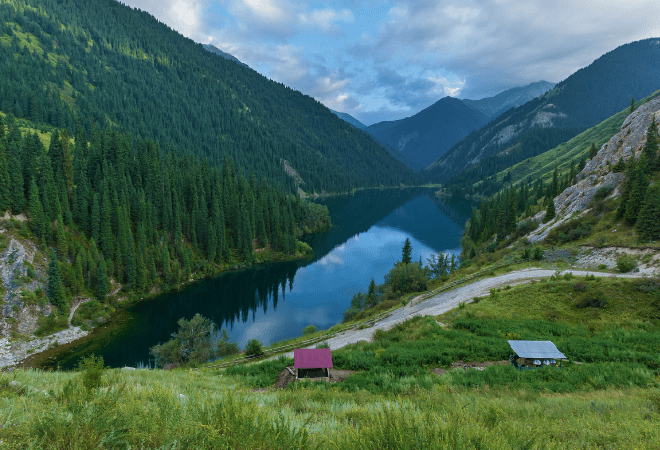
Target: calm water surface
{"points": [[276, 301]]}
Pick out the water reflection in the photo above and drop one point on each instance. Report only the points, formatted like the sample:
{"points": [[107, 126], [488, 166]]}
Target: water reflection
{"points": [[276, 301]]}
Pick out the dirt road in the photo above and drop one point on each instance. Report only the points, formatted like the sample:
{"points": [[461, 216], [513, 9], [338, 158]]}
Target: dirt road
{"points": [[445, 301]]}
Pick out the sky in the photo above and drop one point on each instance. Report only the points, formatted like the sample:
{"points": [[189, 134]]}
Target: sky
{"points": [[390, 59]]}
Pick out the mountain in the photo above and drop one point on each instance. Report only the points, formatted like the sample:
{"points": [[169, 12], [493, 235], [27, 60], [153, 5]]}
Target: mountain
{"points": [[419, 140], [99, 63], [584, 99], [429, 133], [350, 119], [494, 106], [213, 49]]}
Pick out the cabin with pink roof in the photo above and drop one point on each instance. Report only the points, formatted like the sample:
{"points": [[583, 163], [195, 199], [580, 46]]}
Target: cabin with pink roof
{"points": [[312, 363]]}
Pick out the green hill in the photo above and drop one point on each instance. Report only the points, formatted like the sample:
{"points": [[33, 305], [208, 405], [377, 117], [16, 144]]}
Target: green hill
{"points": [[100, 62]]}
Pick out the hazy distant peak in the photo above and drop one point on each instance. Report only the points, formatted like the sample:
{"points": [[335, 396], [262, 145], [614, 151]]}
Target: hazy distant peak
{"points": [[511, 98], [348, 118], [213, 49]]}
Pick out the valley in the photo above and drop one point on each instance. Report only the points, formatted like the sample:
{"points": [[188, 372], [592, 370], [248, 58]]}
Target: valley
{"points": [[190, 192]]}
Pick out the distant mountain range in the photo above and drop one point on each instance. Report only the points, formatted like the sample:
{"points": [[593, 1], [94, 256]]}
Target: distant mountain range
{"points": [[217, 51], [348, 118], [584, 99], [494, 106], [419, 140]]}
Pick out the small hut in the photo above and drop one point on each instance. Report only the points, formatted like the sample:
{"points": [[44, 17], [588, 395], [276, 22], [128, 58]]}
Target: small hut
{"points": [[312, 363], [535, 354]]}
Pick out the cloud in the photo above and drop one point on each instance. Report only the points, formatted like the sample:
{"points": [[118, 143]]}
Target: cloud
{"points": [[184, 16]]}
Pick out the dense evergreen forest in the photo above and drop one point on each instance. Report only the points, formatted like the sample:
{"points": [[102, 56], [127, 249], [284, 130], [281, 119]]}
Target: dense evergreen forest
{"points": [[110, 205], [68, 62]]}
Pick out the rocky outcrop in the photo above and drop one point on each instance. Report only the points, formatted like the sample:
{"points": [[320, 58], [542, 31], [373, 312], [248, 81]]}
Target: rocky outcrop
{"points": [[628, 142], [22, 274]]}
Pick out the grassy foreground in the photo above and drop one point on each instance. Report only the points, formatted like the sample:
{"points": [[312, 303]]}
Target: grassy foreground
{"points": [[154, 409], [393, 401]]}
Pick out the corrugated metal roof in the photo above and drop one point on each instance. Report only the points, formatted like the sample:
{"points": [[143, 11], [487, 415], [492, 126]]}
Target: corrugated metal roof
{"points": [[536, 349], [312, 358]]}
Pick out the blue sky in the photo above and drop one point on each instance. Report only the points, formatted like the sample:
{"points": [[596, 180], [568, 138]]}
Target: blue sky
{"points": [[390, 59]]}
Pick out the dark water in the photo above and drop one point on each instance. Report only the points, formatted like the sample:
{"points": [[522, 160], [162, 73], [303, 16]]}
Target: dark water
{"points": [[276, 301]]}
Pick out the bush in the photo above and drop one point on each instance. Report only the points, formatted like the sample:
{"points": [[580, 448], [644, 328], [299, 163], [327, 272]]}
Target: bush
{"points": [[626, 263], [538, 253], [254, 348], [310, 329], [603, 192], [405, 278], [592, 300], [92, 368]]}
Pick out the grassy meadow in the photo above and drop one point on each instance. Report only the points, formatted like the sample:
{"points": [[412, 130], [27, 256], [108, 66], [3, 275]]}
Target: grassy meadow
{"points": [[611, 400]]}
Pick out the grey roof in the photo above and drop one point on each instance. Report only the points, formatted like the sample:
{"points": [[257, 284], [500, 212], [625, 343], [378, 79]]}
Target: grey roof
{"points": [[536, 349]]}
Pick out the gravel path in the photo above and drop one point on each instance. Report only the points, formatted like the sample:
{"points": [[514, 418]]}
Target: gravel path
{"points": [[445, 301]]}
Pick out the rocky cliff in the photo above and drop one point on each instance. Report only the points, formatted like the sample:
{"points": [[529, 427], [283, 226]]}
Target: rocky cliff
{"points": [[628, 142]]}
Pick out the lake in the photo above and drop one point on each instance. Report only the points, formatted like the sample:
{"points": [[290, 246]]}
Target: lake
{"points": [[276, 301]]}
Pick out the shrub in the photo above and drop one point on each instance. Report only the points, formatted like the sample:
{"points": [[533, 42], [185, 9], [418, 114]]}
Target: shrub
{"points": [[323, 345], [538, 253], [92, 368], [603, 192], [594, 299], [626, 263], [649, 285], [310, 329], [254, 348], [580, 287]]}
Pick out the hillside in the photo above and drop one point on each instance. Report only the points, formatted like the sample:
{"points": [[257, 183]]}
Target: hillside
{"points": [[584, 99], [431, 132], [495, 106], [102, 63], [560, 157]]}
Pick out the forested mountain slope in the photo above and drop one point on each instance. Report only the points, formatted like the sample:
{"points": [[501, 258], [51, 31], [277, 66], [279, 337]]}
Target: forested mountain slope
{"points": [[100, 62], [587, 97], [431, 132]]}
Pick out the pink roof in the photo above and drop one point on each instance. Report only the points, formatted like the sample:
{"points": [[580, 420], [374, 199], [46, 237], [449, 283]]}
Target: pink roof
{"points": [[312, 358]]}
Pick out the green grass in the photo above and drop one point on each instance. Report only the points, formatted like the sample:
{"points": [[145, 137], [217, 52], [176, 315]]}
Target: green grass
{"points": [[203, 410]]}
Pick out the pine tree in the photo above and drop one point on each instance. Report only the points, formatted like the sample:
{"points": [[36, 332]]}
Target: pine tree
{"points": [[61, 237], [406, 252], [550, 212], [5, 181], [16, 176], [632, 105], [593, 151], [648, 222], [55, 290], [102, 281], [651, 146], [637, 194]]}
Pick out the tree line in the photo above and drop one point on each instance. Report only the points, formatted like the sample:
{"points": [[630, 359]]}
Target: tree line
{"points": [[110, 205]]}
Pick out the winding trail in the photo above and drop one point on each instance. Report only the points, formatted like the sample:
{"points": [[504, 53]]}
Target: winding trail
{"points": [[448, 300], [74, 306]]}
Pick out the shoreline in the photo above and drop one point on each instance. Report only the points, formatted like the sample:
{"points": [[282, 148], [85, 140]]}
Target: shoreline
{"points": [[17, 353]]}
